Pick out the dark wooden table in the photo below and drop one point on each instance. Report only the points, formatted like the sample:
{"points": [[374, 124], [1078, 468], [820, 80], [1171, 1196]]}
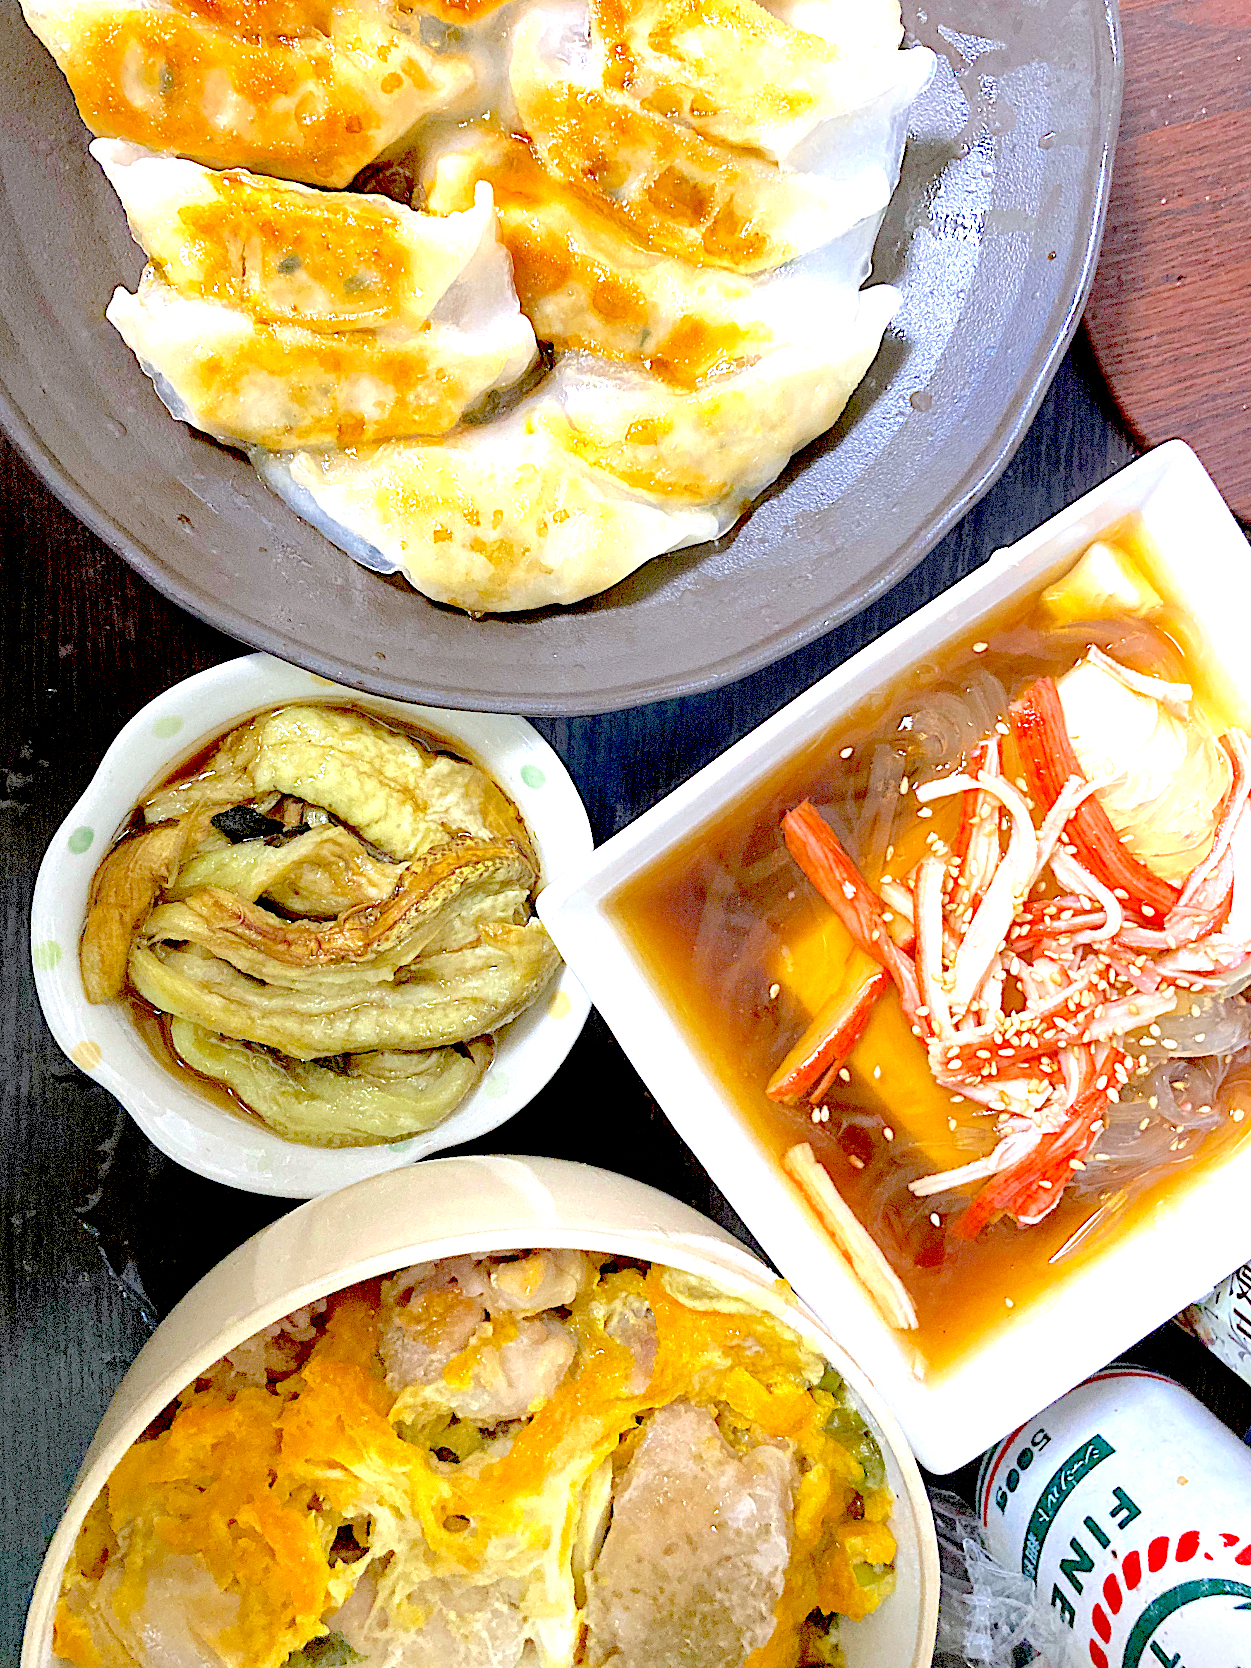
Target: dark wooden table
{"points": [[99, 1233]]}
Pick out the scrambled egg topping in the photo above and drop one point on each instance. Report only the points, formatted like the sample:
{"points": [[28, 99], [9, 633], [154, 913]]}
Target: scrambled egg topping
{"points": [[293, 1494]]}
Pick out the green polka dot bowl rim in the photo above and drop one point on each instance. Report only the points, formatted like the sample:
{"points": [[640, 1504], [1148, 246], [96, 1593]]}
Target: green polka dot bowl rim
{"points": [[102, 1039]]}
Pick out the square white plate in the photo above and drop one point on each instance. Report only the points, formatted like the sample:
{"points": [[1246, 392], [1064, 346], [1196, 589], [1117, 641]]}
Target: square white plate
{"points": [[1176, 1252]]}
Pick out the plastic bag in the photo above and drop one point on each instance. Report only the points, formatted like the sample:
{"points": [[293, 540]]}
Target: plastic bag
{"points": [[987, 1614]]}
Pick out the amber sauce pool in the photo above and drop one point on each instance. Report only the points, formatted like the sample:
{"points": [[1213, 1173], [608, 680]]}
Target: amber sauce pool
{"points": [[730, 931]]}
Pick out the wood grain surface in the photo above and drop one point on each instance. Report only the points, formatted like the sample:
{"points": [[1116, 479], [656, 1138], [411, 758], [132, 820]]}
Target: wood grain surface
{"points": [[1170, 314], [99, 1234]]}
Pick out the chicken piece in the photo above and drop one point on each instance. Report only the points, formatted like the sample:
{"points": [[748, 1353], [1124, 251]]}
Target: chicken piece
{"points": [[511, 1379], [465, 1625], [696, 1555], [542, 1280], [630, 1321], [429, 1315], [432, 1314], [179, 1622]]}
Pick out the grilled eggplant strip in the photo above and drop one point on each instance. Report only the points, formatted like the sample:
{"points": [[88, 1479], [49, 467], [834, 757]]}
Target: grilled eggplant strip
{"points": [[329, 866], [442, 999], [333, 877], [374, 940], [375, 1098], [212, 789], [399, 795], [122, 893]]}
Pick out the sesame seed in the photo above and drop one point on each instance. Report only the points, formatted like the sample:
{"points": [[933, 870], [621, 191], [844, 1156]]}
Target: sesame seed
{"points": [[877, 1071], [856, 1163], [1002, 728], [846, 753], [815, 1114], [844, 1074], [889, 1134], [849, 891], [936, 1219], [774, 992], [903, 784], [951, 1122], [1237, 1114], [980, 647], [1008, 1301]]}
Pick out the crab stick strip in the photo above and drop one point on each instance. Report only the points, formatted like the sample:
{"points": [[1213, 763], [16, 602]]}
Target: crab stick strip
{"points": [[820, 854], [827, 1042], [1050, 762], [1031, 1188]]}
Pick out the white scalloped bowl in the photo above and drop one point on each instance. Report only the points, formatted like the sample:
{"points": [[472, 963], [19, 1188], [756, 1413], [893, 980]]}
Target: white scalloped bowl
{"points": [[102, 1040], [478, 1205]]}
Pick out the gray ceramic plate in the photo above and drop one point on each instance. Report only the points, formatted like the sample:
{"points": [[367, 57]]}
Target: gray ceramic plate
{"points": [[992, 238]]}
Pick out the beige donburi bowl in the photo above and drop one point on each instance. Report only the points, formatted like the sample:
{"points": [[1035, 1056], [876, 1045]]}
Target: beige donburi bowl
{"points": [[443, 1208]]}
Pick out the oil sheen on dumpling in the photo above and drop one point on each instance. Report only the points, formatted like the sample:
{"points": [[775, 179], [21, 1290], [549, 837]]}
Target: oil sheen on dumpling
{"points": [[677, 192], [598, 472], [306, 89], [734, 72], [277, 316]]}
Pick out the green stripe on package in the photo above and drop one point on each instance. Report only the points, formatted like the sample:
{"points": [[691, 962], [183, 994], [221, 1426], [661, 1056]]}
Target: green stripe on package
{"points": [[1080, 1463]]}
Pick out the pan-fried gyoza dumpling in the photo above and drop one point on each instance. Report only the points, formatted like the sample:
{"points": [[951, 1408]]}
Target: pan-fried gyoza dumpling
{"points": [[677, 192], [719, 445], [585, 283], [865, 26], [275, 315], [491, 519], [602, 469], [306, 89], [734, 72]]}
